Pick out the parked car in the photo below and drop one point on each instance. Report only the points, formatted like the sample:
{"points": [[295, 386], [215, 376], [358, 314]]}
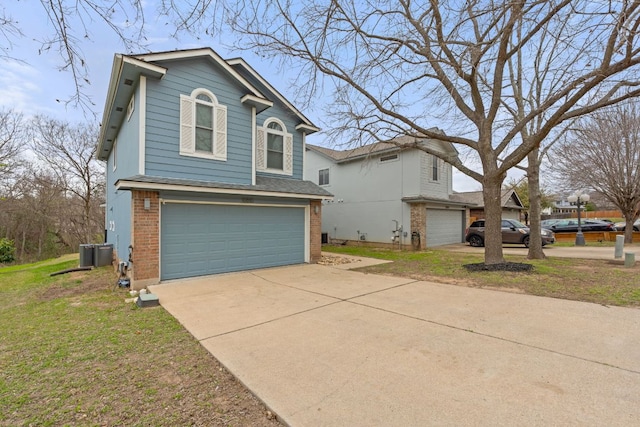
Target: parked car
{"points": [[512, 232], [571, 225], [547, 223], [620, 226]]}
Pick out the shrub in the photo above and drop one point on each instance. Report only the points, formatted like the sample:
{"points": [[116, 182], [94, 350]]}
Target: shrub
{"points": [[7, 250]]}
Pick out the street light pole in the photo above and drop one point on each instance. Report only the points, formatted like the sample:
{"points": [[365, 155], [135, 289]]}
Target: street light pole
{"points": [[579, 199]]}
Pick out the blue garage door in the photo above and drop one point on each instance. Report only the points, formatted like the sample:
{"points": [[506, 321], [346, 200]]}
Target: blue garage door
{"points": [[201, 239]]}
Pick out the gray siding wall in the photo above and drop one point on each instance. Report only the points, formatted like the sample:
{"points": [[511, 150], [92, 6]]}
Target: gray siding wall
{"points": [[163, 130], [368, 193], [118, 203], [441, 188], [367, 196]]}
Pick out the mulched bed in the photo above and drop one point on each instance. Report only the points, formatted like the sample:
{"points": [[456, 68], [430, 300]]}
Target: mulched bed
{"points": [[504, 266]]}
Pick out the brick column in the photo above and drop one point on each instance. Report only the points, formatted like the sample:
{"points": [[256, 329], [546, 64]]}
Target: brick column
{"points": [[145, 239], [419, 222], [315, 231]]}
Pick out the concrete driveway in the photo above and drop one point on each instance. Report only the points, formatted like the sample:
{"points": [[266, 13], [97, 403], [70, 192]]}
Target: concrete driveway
{"points": [[324, 346]]}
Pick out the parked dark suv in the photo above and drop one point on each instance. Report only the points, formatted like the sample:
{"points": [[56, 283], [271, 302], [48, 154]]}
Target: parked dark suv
{"points": [[512, 232]]}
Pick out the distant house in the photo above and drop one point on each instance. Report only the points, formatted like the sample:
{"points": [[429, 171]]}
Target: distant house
{"points": [[511, 204], [388, 193], [204, 168]]}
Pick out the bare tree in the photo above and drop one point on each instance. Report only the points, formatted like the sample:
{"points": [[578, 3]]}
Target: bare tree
{"points": [[11, 141], [603, 153], [73, 24], [400, 68], [70, 151]]}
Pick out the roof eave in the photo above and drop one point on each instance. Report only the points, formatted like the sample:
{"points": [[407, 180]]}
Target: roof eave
{"points": [[124, 73], [260, 104], [241, 62], [422, 199]]}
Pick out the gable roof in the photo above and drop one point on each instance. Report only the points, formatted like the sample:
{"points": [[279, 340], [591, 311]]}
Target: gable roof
{"points": [[127, 69], [243, 66], [508, 199], [377, 148]]}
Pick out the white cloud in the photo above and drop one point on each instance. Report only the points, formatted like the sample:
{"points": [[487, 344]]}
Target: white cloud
{"points": [[18, 86]]}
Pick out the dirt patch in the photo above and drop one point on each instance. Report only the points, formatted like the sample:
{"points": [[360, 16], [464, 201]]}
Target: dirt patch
{"points": [[77, 283]]}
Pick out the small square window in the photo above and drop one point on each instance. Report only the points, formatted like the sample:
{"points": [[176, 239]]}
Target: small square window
{"points": [[323, 177]]}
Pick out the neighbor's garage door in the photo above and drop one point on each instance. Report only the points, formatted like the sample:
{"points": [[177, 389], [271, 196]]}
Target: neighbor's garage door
{"points": [[201, 239], [444, 227]]}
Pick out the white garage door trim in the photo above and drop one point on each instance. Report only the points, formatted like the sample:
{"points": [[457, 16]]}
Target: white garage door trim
{"points": [[430, 226], [307, 221]]}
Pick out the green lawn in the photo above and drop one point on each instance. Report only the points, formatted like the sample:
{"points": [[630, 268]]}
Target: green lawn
{"points": [[599, 281], [74, 353]]}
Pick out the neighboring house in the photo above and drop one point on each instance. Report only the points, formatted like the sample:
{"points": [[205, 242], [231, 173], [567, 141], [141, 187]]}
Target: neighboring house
{"points": [[511, 204], [388, 193], [204, 169]]}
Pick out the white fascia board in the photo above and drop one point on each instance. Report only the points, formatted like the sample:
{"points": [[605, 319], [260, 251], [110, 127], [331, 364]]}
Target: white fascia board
{"points": [[307, 129], [116, 71], [255, 101], [243, 63], [186, 54], [153, 69], [124, 184]]}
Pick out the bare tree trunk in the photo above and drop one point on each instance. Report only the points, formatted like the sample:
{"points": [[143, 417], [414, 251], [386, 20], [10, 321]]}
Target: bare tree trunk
{"points": [[492, 193], [535, 205], [629, 219]]}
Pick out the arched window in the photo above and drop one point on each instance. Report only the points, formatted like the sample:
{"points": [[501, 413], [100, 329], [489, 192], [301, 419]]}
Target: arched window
{"points": [[274, 148], [203, 126]]}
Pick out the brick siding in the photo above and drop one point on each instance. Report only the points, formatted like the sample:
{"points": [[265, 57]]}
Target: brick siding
{"points": [[419, 222], [315, 231], [145, 238]]}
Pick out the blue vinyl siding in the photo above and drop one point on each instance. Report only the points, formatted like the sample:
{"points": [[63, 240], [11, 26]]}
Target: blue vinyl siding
{"points": [[202, 239], [118, 203], [163, 130]]}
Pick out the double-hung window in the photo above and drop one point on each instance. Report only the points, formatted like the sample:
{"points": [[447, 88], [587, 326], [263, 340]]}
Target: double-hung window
{"points": [[203, 126], [274, 148], [323, 177], [434, 168]]}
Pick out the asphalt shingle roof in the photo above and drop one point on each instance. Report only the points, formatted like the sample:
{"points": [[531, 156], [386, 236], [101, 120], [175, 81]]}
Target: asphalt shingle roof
{"points": [[263, 183]]}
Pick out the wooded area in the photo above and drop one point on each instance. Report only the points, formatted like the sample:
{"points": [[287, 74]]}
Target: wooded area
{"points": [[52, 187]]}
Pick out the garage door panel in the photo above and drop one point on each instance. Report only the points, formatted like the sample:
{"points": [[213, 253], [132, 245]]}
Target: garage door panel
{"points": [[444, 227], [200, 239]]}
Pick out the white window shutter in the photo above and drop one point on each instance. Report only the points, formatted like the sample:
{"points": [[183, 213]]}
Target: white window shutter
{"points": [[261, 148], [187, 133], [220, 145], [288, 154]]}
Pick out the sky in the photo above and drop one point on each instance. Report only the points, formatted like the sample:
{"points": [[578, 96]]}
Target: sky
{"points": [[31, 80]]}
